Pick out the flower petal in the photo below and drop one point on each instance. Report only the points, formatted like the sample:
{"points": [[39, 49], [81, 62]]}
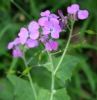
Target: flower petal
{"points": [[23, 40], [73, 9], [42, 20], [16, 41], [46, 13], [14, 53], [55, 35], [19, 53], [83, 14], [54, 20], [54, 44], [10, 45], [23, 32], [48, 46], [33, 25], [34, 34], [31, 43]]}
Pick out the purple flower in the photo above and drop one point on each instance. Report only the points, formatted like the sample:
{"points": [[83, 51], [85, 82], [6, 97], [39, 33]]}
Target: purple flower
{"points": [[43, 38], [32, 32], [73, 8], [46, 16], [51, 45], [51, 28], [83, 14], [12, 44], [31, 43], [17, 52], [63, 19]]}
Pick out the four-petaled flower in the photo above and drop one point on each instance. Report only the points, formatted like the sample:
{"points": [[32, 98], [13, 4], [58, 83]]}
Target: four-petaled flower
{"points": [[51, 45], [46, 16], [51, 28], [30, 32], [14, 45], [75, 9]]}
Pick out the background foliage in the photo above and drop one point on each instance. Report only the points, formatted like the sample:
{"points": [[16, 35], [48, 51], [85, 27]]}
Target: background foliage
{"points": [[17, 13]]}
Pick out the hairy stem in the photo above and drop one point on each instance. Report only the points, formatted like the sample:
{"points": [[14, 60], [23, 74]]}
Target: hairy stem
{"points": [[30, 79], [52, 71], [71, 29]]}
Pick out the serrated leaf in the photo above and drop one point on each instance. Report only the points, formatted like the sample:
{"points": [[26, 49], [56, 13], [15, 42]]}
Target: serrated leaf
{"points": [[6, 91], [22, 88], [60, 94], [65, 70], [44, 95], [90, 32]]}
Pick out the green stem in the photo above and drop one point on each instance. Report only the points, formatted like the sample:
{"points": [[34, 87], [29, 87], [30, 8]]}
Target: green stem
{"points": [[52, 69], [30, 79], [72, 23]]}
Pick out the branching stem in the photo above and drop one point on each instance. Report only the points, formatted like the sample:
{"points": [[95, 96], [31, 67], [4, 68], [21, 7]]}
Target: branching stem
{"points": [[71, 29], [30, 79]]}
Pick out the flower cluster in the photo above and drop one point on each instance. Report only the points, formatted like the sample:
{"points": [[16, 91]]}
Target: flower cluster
{"points": [[46, 30]]}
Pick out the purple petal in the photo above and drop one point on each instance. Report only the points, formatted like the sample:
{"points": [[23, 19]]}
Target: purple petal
{"points": [[46, 13], [60, 13], [17, 52], [14, 53], [83, 14], [34, 34], [23, 32], [17, 41], [55, 35], [54, 44], [23, 40], [48, 46], [31, 43], [54, 20], [54, 16], [10, 45], [20, 54], [57, 27], [46, 28], [62, 23], [73, 9], [42, 20], [33, 25], [43, 38], [75, 6]]}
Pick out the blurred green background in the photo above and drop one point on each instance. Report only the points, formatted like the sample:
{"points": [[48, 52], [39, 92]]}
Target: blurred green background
{"points": [[15, 14]]}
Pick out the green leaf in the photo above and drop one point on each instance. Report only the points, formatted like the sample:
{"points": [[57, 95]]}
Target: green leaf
{"points": [[65, 70], [11, 71], [44, 95], [22, 88], [40, 56], [90, 32], [7, 92], [76, 46], [26, 70], [59, 94]]}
